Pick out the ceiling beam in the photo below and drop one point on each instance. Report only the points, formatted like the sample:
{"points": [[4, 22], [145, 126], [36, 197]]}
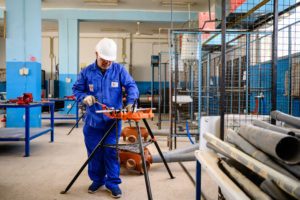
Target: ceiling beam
{"points": [[117, 15]]}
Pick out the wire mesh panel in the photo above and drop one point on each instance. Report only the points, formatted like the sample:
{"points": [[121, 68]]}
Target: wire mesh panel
{"points": [[253, 62], [163, 89], [288, 97], [185, 68]]}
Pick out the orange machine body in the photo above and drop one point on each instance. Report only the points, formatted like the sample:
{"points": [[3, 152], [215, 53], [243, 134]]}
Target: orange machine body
{"points": [[133, 161], [136, 116], [131, 134]]}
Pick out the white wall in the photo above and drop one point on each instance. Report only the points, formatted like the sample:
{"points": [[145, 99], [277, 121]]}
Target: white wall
{"points": [[46, 61], [142, 49]]}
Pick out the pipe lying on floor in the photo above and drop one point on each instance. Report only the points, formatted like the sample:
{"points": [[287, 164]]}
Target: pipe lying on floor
{"points": [[174, 157], [285, 183], [186, 149], [250, 188], [271, 189], [295, 169], [236, 139], [272, 127], [289, 119], [178, 155], [282, 147]]}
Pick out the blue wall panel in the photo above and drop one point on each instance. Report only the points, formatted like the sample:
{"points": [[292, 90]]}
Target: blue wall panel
{"points": [[17, 85], [65, 89]]}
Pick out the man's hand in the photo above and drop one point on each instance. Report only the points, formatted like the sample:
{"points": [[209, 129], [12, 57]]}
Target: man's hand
{"points": [[89, 100], [129, 108]]}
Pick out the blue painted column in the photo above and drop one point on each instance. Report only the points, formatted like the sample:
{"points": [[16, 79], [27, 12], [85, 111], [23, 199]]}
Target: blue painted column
{"points": [[68, 58], [23, 50]]}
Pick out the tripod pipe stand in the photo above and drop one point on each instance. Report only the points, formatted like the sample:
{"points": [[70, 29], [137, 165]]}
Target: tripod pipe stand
{"points": [[141, 114]]}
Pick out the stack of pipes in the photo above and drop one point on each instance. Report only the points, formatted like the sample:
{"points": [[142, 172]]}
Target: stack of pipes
{"points": [[269, 151]]}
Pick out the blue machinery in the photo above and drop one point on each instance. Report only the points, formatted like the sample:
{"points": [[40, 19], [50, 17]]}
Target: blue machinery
{"points": [[26, 134]]}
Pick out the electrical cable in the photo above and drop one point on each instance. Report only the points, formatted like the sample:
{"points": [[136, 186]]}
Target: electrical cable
{"points": [[188, 132]]}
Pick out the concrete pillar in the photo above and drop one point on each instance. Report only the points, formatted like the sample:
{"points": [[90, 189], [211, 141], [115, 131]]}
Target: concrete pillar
{"points": [[68, 58], [23, 50]]}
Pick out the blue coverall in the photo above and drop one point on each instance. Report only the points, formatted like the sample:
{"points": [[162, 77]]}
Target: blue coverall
{"points": [[107, 87]]}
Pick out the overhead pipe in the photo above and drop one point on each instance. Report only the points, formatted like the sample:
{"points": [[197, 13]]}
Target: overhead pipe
{"points": [[236, 139], [289, 119], [271, 189], [249, 187], [283, 147], [284, 182], [272, 127]]}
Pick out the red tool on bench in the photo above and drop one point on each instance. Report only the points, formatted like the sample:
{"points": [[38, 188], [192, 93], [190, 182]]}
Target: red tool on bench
{"points": [[24, 100]]}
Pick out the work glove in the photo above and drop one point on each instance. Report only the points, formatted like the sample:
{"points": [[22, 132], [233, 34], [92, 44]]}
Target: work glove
{"points": [[129, 108], [89, 100]]}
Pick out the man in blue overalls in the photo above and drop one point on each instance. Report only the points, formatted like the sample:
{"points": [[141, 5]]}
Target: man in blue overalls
{"points": [[102, 81]]}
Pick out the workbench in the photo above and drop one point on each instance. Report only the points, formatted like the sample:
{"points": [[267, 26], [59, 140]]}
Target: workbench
{"points": [[63, 116], [26, 134], [208, 160]]}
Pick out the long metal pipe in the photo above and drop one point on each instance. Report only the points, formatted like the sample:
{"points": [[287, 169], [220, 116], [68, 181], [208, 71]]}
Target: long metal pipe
{"points": [[295, 169], [146, 98], [282, 147], [271, 189], [249, 187], [248, 148], [178, 155], [186, 149], [285, 183], [274, 58], [174, 157], [291, 120], [272, 127]]}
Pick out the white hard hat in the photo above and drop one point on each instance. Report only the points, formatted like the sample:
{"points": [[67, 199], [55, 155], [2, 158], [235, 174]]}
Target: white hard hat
{"points": [[107, 49]]}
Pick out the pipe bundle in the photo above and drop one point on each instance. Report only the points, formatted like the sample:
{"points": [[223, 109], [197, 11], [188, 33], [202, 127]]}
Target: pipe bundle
{"points": [[271, 152]]}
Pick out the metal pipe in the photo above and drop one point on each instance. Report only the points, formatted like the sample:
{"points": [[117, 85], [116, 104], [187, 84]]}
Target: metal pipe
{"points": [[282, 147], [186, 149], [294, 169], [249, 187], [145, 98], [274, 58], [248, 148], [223, 68], [289, 119], [174, 157], [187, 173], [271, 189], [272, 127], [287, 184]]}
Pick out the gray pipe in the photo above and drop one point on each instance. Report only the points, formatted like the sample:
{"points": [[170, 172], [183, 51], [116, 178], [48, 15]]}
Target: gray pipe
{"points": [[295, 169], [145, 98], [282, 147], [285, 183], [236, 139], [186, 149], [165, 132], [250, 188], [289, 119], [174, 157], [271, 189], [272, 127]]}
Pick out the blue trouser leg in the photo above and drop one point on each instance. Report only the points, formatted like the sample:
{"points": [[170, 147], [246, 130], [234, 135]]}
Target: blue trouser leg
{"points": [[104, 161], [112, 165], [96, 169]]}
